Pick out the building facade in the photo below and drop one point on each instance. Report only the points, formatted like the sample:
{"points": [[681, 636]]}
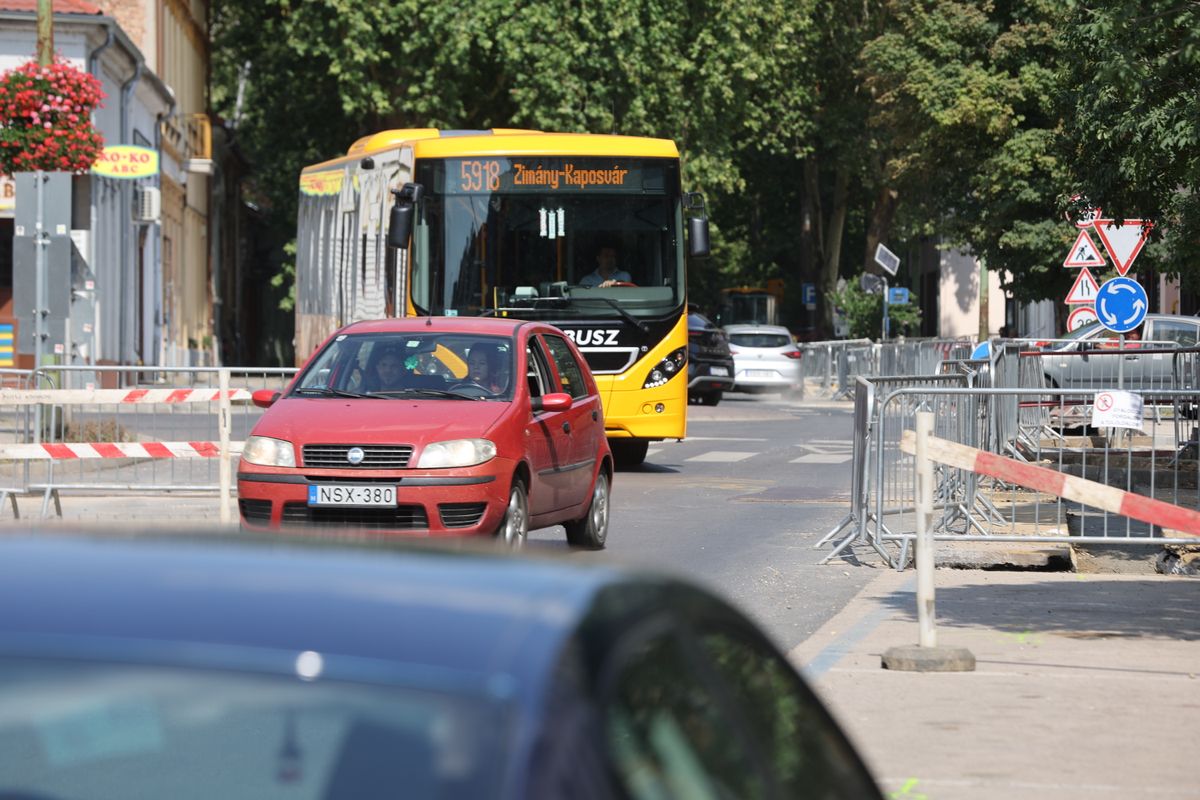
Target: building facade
{"points": [[149, 243]]}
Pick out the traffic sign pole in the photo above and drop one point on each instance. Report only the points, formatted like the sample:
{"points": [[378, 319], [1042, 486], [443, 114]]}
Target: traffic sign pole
{"points": [[885, 309]]}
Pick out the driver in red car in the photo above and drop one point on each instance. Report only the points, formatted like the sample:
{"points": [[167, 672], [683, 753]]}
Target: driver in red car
{"points": [[487, 367], [606, 273]]}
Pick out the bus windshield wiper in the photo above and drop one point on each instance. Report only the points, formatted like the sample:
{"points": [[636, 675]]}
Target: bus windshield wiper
{"points": [[326, 391], [625, 315]]}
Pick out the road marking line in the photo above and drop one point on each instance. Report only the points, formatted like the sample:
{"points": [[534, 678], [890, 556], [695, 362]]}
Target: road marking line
{"points": [[724, 456], [821, 458]]}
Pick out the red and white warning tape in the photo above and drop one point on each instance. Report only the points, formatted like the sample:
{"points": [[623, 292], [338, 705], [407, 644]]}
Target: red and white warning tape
{"points": [[1069, 487], [19, 397], [117, 450]]}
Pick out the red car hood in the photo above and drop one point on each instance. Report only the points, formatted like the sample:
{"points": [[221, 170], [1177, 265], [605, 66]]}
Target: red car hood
{"points": [[327, 421]]}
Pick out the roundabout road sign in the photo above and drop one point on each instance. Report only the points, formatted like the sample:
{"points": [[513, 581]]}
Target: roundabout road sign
{"points": [[1121, 304]]}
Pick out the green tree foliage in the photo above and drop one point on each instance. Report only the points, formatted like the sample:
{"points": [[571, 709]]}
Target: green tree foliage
{"points": [[1133, 139], [968, 104], [816, 128], [864, 313], [725, 80]]}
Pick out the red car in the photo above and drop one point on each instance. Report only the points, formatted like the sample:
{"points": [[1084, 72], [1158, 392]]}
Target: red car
{"points": [[437, 426]]}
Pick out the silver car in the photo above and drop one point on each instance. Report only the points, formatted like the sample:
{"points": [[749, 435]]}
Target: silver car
{"points": [[1089, 357], [765, 358]]}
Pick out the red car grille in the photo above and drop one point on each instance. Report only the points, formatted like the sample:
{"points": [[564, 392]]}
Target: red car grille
{"points": [[461, 515], [256, 510], [375, 456], [399, 518]]}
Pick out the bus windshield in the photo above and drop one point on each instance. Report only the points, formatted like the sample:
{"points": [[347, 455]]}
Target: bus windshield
{"points": [[549, 237]]}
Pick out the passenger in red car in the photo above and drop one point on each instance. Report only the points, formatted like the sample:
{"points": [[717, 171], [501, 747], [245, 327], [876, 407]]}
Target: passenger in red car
{"points": [[387, 372], [488, 367]]}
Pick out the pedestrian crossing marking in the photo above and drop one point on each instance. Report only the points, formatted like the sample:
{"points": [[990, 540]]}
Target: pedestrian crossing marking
{"points": [[821, 458], [723, 456]]}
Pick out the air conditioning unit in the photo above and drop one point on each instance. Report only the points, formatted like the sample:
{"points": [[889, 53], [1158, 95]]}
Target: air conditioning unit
{"points": [[147, 204]]}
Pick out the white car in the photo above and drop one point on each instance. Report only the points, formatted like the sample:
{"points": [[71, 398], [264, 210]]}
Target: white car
{"points": [[765, 358]]}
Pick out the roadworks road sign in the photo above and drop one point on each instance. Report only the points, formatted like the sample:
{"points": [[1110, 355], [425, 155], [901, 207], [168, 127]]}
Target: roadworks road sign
{"points": [[1084, 253], [1123, 242], [1083, 292]]}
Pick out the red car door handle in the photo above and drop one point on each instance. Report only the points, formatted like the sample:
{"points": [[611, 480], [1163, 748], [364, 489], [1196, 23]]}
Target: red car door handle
{"points": [[566, 427], [595, 415]]}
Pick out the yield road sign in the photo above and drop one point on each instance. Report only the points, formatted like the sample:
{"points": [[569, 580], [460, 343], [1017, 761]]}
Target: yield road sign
{"points": [[1125, 242], [1084, 253], [1083, 292], [1121, 304], [1084, 315]]}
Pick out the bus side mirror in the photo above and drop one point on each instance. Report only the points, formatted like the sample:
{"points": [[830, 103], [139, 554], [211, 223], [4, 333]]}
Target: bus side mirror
{"points": [[697, 225], [400, 221]]}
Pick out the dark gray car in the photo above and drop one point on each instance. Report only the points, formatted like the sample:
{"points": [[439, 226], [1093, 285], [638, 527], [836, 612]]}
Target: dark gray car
{"points": [[319, 670], [710, 363]]}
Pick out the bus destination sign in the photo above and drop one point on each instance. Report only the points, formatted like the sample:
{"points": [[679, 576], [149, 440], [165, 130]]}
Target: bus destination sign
{"points": [[551, 175]]}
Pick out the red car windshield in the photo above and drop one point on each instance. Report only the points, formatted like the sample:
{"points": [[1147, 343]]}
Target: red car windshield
{"points": [[428, 364]]}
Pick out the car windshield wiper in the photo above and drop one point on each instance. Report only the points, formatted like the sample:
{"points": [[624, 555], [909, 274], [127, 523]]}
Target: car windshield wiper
{"points": [[625, 315], [326, 391], [425, 393]]}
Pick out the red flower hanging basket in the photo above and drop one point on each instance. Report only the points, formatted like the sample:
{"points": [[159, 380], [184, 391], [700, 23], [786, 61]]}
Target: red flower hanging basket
{"points": [[46, 119]]}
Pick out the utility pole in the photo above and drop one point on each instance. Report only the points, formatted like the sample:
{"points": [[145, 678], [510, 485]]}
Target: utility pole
{"points": [[45, 32], [984, 317], [45, 56]]}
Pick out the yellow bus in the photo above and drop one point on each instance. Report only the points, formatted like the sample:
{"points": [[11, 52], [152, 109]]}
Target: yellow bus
{"points": [[584, 231]]}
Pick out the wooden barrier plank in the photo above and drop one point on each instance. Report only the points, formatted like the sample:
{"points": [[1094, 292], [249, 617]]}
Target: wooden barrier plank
{"points": [[1068, 487]]}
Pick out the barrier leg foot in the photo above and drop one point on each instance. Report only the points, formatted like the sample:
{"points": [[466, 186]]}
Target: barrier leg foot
{"points": [[914, 658], [825, 539]]}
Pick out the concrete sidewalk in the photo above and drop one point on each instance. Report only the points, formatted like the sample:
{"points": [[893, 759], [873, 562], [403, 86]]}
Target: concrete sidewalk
{"points": [[1086, 685], [174, 509]]}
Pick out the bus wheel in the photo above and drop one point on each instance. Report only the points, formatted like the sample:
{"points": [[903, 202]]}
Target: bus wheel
{"points": [[629, 452], [591, 530]]}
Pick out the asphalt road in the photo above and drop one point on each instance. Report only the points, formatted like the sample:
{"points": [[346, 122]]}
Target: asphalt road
{"points": [[738, 505]]}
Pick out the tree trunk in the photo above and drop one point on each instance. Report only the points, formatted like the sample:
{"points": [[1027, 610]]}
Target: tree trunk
{"points": [[831, 257], [880, 226], [812, 244]]}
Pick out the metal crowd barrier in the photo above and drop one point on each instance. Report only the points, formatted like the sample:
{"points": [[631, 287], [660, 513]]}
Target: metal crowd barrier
{"points": [[829, 369], [1160, 462], [113, 411]]}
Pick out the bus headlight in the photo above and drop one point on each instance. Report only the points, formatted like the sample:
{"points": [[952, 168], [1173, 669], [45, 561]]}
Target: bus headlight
{"points": [[267, 452], [666, 369], [456, 453]]}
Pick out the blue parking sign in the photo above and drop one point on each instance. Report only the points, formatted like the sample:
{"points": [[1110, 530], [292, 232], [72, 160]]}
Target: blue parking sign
{"points": [[1121, 304], [808, 291], [897, 296]]}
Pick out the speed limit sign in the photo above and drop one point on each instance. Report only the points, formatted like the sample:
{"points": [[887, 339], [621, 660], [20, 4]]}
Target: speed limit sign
{"points": [[1083, 315]]}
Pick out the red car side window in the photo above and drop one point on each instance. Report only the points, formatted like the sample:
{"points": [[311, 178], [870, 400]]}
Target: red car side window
{"points": [[569, 372]]}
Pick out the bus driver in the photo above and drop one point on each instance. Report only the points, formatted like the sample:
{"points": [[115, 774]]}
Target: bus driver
{"points": [[606, 273]]}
